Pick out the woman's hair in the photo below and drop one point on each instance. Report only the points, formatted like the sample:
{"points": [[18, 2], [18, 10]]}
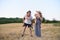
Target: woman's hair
{"points": [[39, 13]]}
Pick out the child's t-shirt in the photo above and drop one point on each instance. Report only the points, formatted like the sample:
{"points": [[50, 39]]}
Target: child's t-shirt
{"points": [[28, 20]]}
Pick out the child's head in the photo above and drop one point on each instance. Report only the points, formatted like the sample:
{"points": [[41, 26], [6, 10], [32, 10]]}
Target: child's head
{"points": [[29, 13], [38, 14]]}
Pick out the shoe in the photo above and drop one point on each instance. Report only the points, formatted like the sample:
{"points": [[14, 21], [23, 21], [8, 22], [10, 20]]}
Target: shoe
{"points": [[22, 35], [31, 35]]}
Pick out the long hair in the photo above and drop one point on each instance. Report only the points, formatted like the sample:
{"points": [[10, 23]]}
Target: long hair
{"points": [[39, 13]]}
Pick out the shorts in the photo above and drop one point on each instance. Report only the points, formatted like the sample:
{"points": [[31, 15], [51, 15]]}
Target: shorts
{"points": [[29, 25]]}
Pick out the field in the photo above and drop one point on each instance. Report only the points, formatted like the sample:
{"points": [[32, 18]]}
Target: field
{"points": [[13, 31]]}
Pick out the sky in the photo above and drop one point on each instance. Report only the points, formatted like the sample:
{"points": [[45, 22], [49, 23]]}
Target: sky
{"points": [[17, 8]]}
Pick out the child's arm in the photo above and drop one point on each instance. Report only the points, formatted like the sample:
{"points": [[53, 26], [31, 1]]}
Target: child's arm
{"points": [[32, 22], [23, 19]]}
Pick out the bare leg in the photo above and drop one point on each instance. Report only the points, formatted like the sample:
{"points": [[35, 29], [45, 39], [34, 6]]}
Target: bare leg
{"points": [[23, 31], [31, 31]]}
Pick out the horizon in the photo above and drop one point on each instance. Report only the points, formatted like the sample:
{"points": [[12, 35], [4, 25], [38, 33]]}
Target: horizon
{"points": [[33, 18]]}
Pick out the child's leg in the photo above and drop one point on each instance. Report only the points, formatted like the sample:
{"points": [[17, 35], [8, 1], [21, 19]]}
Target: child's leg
{"points": [[30, 31], [24, 31]]}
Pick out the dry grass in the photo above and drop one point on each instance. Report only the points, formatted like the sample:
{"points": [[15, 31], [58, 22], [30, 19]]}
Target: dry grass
{"points": [[13, 31]]}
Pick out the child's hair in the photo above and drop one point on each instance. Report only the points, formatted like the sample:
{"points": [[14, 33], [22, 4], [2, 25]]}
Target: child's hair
{"points": [[29, 11], [39, 13]]}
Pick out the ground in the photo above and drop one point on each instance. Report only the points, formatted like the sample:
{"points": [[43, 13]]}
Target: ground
{"points": [[13, 31]]}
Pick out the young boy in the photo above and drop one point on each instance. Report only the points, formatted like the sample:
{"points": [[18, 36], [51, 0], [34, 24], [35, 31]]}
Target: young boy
{"points": [[27, 22]]}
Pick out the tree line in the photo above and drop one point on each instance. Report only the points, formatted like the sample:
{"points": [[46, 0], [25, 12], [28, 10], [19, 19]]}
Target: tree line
{"points": [[10, 20], [20, 20]]}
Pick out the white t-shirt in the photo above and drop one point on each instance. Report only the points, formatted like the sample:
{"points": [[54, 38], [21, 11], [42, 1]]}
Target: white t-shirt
{"points": [[28, 20]]}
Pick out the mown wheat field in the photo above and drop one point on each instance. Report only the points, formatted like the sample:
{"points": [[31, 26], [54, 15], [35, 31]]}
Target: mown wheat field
{"points": [[13, 31]]}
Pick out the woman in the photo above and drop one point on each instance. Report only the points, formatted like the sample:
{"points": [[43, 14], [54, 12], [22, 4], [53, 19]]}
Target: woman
{"points": [[38, 21]]}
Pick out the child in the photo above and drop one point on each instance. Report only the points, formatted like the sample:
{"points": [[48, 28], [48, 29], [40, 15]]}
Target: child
{"points": [[38, 20], [27, 22]]}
